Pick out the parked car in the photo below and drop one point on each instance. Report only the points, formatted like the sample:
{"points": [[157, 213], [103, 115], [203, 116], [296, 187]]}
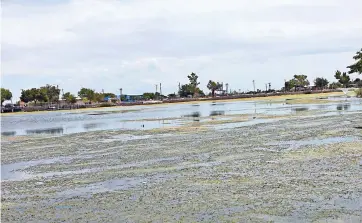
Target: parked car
{"points": [[17, 108], [10, 108], [52, 107]]}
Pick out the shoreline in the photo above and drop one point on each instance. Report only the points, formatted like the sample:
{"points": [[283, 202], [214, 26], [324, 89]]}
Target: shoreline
{"points": [[260, 97]]}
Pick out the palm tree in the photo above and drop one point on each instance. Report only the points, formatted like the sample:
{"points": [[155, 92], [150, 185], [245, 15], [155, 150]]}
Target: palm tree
{"points": [[213, 86]]}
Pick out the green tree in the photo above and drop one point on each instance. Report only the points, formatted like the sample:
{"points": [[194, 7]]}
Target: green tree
{"points": [[98, 97], [185, 90], [173, 95], [110, 95], [193, 79], [356, 67], [27, 95], [86, 94], [41, 95], [213, 86], [297, 81], [34, 94], [300, 81], [342, 78], [149, 96], [52, 92], [69, 98], [200, 92], [321, 82], [335, 85], [5, 95], [358, 82]]}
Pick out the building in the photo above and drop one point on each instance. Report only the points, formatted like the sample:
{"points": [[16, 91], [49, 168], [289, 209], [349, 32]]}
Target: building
{"points": [[131, 98]]}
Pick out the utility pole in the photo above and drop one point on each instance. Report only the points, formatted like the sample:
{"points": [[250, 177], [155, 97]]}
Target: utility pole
{"points": [[269, 86], [254, 85], [102, 91], [156, 91], [266, 88], [120, 96], [160, 89], [227, 88]]}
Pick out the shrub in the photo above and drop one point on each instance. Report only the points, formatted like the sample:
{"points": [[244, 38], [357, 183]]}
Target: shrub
{"points": [[106, 105], [359, 93]]}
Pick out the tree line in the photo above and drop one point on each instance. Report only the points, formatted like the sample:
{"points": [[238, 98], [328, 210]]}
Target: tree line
{"points": [[51, 93], [298, 81]]}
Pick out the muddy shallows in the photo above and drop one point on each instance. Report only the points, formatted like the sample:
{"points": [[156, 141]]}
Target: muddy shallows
{"points": [[297, 169]]}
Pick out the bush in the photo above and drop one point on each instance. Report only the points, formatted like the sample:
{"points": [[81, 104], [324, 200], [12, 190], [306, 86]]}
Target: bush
{"points": [[359, 93], [106, 105]]}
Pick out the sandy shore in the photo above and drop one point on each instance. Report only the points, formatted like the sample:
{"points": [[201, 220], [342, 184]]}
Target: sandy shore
{"points": [[301, 168]]}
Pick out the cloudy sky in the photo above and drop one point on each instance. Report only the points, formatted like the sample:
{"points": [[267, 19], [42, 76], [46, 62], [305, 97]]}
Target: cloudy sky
{"points": [[135, 44]]}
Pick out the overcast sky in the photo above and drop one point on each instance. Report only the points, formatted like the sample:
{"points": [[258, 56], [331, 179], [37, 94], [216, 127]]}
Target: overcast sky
{"points": [[135, 44]]}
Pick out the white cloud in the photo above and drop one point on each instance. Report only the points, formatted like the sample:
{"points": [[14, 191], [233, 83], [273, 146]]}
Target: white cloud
{"points": [[108, 43]]}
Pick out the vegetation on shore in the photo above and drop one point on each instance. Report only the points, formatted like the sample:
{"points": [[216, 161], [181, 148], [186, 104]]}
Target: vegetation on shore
{"points": [[359, 92], [5, 95], [51, 93]]}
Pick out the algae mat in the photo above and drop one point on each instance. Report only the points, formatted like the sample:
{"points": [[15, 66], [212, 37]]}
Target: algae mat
{"points": [[291, 170]]}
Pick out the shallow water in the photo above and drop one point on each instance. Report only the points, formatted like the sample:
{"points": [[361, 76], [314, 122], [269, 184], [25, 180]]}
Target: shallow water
{"points": [[302, 168], [157, 116]]}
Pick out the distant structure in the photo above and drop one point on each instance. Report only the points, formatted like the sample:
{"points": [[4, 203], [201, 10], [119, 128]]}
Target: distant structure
{"points": [[254, 85], [160, 89]]}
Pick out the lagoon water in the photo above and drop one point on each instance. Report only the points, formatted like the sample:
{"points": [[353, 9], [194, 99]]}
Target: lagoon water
{"points": [[158, 116]]}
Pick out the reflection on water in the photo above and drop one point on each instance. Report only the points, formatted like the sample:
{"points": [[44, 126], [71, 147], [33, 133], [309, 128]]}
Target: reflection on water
{"points": [[90, 126], [323, 106], [342, 107], [216, 113], [150, 117], [192, 115], [217, 104], [12, 133], [51, 131], [300, 109]]}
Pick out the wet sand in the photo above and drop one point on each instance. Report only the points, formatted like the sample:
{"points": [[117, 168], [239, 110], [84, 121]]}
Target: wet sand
{"points": [[299, 168]]}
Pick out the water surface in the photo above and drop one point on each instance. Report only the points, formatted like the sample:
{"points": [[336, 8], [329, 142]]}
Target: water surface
{"points": [[157, 116]]}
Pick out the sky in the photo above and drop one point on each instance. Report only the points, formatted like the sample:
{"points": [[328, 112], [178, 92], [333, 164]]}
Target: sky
{"points": [[134, 45]]}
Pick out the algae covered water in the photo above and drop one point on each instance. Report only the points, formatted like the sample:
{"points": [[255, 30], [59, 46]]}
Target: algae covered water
{"points": [[259, 162]]}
